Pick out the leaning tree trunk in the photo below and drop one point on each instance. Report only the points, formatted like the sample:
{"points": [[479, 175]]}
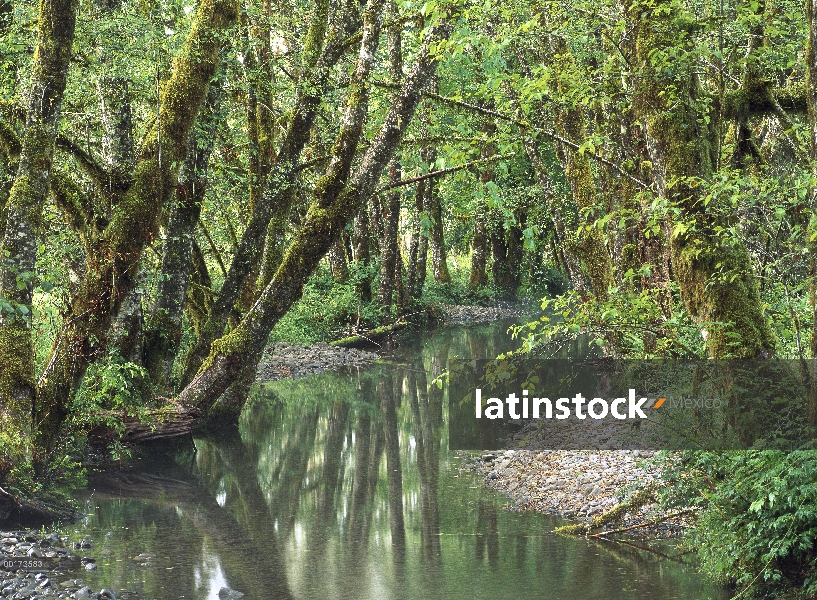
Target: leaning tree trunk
{"points": [[23, 214], [278, 192], [715, 276], [337, 199]]}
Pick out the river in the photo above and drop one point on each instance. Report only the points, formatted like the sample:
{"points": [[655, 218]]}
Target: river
{"points": [[341, 486]]}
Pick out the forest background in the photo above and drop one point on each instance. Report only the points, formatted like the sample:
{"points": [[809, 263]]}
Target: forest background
{"points": [[183, 182]]}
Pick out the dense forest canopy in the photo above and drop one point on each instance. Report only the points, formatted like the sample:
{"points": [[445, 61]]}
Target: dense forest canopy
{"points": [[175, 176], [182, 182]]}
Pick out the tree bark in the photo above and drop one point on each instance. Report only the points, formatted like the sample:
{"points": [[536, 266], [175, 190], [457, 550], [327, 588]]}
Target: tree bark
{"points": [[715, 277], [569, 121], [23, 215], [433, 208], [164, 328], [411, 270], [362, 252], [112, 272], [277, 193], [337, 262], [477, 277], [388, 248]]}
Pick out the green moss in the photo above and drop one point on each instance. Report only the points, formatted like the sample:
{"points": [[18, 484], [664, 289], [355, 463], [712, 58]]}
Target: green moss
{"points": [[714, 275], [719, 289], [234, 343], [17, 382]]}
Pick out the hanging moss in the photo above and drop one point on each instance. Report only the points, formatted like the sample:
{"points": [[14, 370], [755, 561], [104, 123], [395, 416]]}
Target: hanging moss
{"points": [[588, 243]]}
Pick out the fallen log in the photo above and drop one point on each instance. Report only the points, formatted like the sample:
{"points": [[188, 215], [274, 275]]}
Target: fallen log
{"points": [[650, 523], [614, 515], [371, 337], [170, 421]]}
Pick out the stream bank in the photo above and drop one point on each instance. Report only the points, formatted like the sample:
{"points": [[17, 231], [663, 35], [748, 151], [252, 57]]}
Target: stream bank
{"points": [[284, 361], [577, 484], [298, 503]]}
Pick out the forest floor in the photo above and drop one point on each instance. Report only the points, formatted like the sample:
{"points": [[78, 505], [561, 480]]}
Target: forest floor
{"points": [[578, 484]]}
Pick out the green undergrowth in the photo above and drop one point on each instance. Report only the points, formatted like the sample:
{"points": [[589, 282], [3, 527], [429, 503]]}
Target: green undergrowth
{"points": [[328, 310], [756, 529]]}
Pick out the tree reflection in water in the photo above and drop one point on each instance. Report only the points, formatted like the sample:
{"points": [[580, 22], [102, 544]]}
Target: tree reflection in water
{"points": [[340, 485]]}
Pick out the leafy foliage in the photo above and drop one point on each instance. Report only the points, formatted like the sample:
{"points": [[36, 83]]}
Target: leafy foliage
{"points": [[757, 522]]}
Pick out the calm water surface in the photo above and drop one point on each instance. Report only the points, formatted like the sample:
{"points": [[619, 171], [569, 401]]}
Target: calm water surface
{"points": [[341, 486]]}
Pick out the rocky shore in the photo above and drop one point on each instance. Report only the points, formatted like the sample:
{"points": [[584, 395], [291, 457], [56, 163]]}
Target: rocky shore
{"points": [[282, 360], [38, 566], [576, 484], [457, 313], [35, 566]]}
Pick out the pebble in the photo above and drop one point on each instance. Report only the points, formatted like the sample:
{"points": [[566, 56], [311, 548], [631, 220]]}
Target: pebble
{"points": [[54, 585], [284, 361], [575, 484]]}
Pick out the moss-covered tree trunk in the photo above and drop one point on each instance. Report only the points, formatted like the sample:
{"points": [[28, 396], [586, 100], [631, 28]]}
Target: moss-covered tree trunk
{"points": [[415, 279], [422, 261], [411, 267], [389, 250], [23, 216], [588, 241], [477, 276], [337, 262], [277, 194], [112, 270], [715, 275], [561, 224], [362, 252], [337, 198], [164, 327], [433, 208]]}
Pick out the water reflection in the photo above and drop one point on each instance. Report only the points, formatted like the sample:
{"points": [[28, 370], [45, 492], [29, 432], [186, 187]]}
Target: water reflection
{"points": [[341, 486]]}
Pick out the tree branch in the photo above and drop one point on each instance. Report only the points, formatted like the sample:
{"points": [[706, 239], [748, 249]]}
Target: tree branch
{"points": [[536, 130], [446, 171], [87, 163]]}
